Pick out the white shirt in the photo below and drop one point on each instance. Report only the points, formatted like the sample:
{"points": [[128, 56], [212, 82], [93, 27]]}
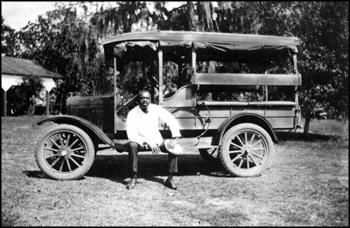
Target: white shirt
{"points": [[143, 127]]}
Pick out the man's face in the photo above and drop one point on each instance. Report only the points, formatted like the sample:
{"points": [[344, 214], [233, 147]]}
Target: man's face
{"points": [[144, 100]]}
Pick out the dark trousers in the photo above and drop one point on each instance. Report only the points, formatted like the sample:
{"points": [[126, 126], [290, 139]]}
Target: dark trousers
{"points": [[134, 148]]}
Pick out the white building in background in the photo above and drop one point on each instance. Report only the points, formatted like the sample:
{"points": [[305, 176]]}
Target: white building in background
{"points": [[14, 69]]}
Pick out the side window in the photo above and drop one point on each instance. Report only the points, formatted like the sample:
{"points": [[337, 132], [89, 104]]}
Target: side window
{"points": [[242, 93], [231, 93]]}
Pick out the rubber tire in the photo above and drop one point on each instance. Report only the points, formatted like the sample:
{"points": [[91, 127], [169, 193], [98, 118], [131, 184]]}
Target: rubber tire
{"points": [[95, 141], [76, 174], [226, 160]]}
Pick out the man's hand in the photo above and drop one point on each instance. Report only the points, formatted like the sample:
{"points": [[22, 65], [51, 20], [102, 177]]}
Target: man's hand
{"points": [[154, 147]]}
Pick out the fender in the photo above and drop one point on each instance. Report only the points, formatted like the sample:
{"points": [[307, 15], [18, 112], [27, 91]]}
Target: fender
{"points": [[243, 118], [91, 129]]}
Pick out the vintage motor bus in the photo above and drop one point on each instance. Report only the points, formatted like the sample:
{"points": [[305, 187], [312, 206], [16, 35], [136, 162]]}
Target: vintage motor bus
{"points": [[228, 114]]}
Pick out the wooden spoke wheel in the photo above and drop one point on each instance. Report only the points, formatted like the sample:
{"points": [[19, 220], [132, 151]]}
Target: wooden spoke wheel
{"points": [[65, 152], [246, 150]]}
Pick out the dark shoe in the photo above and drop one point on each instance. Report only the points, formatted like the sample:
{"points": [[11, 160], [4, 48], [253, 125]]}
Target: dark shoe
{"points": [[131, 184], [170, 184]]}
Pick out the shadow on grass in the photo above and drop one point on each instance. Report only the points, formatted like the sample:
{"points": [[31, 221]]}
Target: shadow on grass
{"points": [[35, 174], [40, 175], [285, 135], [152, 167]]}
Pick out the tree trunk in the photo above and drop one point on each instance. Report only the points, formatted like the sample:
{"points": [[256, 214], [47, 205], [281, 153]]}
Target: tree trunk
{"points": [[307, 122], [192, 22]]}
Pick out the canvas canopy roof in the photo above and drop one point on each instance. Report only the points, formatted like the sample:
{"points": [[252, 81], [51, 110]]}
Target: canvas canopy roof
{"points": [[176, 45]]}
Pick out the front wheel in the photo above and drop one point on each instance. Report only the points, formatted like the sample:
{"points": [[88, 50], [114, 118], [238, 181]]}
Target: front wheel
{"points": [[246, 150], [65, 152]]}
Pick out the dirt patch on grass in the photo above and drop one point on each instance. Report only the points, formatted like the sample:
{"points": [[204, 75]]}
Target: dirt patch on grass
{"points": [[307, 185]]}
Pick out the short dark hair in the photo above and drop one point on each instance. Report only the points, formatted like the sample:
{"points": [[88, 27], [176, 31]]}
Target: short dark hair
{"points": [[143, 91]]}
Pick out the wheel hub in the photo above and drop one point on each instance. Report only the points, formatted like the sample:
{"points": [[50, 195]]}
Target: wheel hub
{"points": [[65, 152], [246, 150]]}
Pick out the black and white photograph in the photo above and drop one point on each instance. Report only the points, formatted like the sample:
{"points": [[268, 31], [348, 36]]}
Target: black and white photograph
{"points": [[170, 113]]}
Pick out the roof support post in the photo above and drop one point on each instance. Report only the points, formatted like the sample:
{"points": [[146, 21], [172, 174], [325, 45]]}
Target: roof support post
{"points": [[295, 63], [296, 72], [115, 93], [160, 69], [297, 107], [194, 59]]}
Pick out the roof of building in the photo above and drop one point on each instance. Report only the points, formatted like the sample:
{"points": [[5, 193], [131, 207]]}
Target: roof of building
{"points": [[25, 67]]}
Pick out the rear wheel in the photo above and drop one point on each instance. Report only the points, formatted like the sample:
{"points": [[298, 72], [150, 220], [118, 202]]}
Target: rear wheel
{"points": [[65, 152], [246, 150]]}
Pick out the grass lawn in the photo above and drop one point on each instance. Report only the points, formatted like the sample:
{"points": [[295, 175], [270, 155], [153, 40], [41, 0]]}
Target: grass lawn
{"points": [[307, 185]]}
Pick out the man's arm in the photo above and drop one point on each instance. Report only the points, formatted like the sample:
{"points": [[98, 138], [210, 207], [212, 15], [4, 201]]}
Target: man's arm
{"points": [[170, 120]]}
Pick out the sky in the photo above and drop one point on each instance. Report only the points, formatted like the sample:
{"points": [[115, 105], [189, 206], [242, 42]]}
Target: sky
{"points": [[18, 14]]}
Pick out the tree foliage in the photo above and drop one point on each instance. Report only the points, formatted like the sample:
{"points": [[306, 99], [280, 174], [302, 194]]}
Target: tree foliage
{"points": [[18, 96], [68, 39], [65, 43], [7, 41]]}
